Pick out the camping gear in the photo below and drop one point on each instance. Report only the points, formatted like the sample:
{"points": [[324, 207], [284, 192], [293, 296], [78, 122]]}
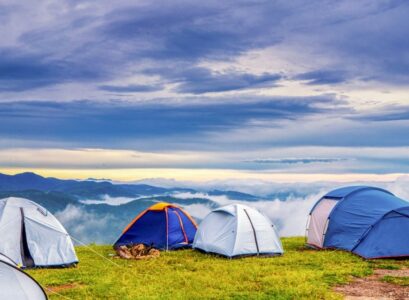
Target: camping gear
{"points": [[368, 221], [30, 236], [17, 285], [139, 251], [162, 226], [237, 230]]}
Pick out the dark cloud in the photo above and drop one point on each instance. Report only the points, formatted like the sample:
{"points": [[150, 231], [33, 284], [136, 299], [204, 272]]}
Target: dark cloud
{"points": [[98, 124], [364, 39], [387, 113], [19, 72], [132, 88], [188, 31], [201, 80], [373, 45], [292, 161], [323, 77]]}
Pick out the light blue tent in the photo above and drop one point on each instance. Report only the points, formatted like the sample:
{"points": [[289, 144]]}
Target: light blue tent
{"points": [[367, 221], [237, 230]]}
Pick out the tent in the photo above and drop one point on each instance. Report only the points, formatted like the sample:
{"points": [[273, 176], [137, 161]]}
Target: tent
{"points": [[17, 285], [237, 230], [31, 236], [367, 221], [162, 226]]}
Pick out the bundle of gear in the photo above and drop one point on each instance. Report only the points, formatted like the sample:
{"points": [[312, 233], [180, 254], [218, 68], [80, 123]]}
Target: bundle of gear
{"points": [[138, 251]]}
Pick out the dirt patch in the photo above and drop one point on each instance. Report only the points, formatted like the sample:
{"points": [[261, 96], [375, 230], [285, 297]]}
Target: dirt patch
{"points": [[372, 287], [62, 287]]}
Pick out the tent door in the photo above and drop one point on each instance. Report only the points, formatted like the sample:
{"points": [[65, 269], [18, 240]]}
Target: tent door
{"points": [[254, 232], [181, 226], [319, 221], [25, 252]]}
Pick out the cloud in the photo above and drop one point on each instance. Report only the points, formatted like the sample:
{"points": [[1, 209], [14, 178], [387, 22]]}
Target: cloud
{"points": [[400, 187], [388, 113], [296, 160], [85, 122], [198, 211], [108, 200], [214, 163], [188, 31], [286, 204], [87, 227], [132, 88], [212, 89], [323, 77], [20, 71], [94, 42], [200, 80], [289, 214]]}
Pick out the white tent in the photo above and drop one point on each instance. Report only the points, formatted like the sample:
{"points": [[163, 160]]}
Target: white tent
{"points": [[17, 285], [31, 236], [237, 230]]}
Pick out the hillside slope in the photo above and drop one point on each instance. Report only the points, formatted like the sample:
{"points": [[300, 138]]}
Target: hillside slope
{"points": [[299, 274]]}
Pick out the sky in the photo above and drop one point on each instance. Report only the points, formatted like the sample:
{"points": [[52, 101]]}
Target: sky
{"points": [[269, 90]]}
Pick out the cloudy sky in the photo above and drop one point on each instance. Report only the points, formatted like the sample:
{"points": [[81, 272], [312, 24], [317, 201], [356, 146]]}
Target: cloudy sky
{"points": [[277, 90]]}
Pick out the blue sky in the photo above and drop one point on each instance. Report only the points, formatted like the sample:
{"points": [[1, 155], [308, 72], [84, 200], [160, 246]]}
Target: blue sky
{"points": [[240, 87]]}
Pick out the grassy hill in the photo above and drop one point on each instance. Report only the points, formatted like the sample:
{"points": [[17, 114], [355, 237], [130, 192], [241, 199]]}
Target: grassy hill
{"points": [[300, 274]]}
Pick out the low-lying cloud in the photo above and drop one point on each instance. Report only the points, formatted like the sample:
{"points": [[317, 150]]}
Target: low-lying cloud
{"points": [[87, 227], [108, 200], [289, 215], [286, 205]]}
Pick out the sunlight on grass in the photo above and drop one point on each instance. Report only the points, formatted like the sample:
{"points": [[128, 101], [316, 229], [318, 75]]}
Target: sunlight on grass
{"points": [[299, 274]]}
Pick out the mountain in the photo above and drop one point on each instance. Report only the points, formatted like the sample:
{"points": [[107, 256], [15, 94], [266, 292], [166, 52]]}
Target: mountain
{"points": [[79, 188], [97, 211]]}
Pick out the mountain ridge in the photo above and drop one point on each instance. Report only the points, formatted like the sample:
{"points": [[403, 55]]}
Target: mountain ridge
{"points": [[90, 188], [97, 211]]}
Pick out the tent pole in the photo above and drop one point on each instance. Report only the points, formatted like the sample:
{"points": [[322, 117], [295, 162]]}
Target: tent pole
{"points": [[167, 229]]}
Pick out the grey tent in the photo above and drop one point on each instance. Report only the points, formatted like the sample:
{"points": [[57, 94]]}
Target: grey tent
{"points": [[17, 285], [31, 236], [237, 230]]}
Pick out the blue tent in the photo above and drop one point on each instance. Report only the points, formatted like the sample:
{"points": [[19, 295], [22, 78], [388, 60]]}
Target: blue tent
{"points": [[367, 221], [162, 226]]}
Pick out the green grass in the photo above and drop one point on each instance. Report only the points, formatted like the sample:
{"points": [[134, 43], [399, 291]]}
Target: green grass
{"points": [[299, 274], [402, 280]]}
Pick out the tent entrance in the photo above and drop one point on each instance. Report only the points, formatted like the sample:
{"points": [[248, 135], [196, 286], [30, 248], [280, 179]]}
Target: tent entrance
{"points": [[26, 257], [254, 231], [181, 227], [319, 222]]}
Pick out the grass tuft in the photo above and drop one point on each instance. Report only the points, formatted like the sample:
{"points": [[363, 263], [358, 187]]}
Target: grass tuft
{"points": [[401, 280]]}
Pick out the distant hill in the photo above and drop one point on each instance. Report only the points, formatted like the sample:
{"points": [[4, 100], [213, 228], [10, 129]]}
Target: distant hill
{"points": [[82, 206], [80, 188]]}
